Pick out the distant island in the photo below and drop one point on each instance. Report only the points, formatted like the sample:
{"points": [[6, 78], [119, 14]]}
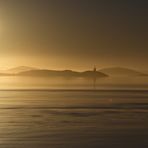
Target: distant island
{"points": [[31, 71], [121, 71]]}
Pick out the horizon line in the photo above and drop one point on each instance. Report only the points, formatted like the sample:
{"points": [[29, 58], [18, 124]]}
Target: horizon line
{"points": [[62, 69]]}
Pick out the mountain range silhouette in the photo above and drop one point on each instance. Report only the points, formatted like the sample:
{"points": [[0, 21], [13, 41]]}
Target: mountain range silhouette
{"points": [[31, 71]]}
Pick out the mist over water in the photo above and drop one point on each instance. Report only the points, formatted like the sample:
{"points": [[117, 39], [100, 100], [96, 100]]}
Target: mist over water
{"points": [[18, 82], [85, 83], [41, 112]]}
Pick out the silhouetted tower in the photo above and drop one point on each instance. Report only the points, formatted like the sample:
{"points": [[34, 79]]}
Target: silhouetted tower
{"points": [[94, 77], [95, 70]]}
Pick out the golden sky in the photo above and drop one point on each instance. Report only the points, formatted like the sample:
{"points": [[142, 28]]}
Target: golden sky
{"points": [[74, 34]]}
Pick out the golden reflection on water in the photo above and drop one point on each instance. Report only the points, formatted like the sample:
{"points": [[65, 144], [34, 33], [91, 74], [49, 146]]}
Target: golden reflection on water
{"points": [[17, 82], [53, 118]]}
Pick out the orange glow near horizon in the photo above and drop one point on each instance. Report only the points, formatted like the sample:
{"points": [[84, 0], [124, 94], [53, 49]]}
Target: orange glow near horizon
{"points": [[56, 36]]}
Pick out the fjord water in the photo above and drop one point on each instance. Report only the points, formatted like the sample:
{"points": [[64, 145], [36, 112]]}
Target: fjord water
{"points": [[41, 113]]}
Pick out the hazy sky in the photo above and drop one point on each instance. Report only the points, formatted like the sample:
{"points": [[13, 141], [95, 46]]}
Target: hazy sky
{"points": [[74, 34]]}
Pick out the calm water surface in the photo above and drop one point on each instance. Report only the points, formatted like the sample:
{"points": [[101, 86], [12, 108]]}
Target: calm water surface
{"points": [[70, 118]]}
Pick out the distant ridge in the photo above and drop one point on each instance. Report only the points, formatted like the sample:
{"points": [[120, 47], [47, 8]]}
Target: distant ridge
{"points": [[31, 71], [19, 69], [121, 71], [64, 73]]}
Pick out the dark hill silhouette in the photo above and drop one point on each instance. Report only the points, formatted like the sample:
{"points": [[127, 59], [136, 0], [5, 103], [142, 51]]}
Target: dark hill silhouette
{"points": [[93, 74], [19, 69], [30, 71], [64, 73], [120, 71]]}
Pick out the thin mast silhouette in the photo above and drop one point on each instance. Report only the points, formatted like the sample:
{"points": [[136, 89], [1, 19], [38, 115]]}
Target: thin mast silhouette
{"points": [[94, 77]]}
